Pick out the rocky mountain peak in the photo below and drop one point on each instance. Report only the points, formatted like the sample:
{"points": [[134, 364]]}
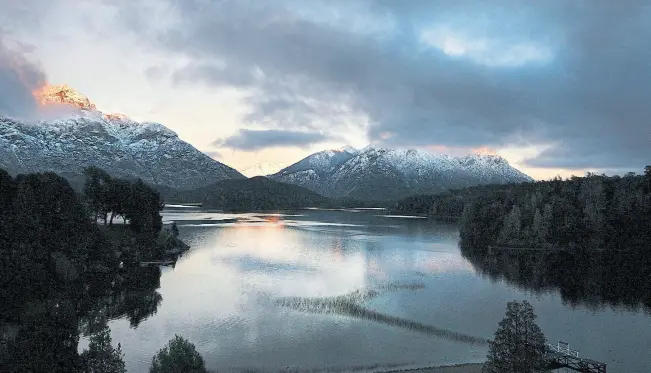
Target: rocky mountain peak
{"points": [[62, 94], [117, 117]]}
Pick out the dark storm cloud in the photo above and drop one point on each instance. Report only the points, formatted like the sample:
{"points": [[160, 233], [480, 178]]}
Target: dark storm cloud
{"points": [[590, 98], [261, 139], [18, 77]]}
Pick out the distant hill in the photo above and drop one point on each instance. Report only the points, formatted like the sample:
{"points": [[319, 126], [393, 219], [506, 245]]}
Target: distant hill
{"points": [[257, 193]]}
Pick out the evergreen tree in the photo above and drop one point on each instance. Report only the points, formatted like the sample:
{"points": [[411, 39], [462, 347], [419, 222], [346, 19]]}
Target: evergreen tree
{"points": [[519, 344], [512, 225], [178, 356], [537, 229], [119, 190], [96, 189], [101, 357]]}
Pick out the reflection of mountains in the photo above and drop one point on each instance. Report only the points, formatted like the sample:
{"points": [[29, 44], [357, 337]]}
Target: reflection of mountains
{"points": [[351, 305], [616, 278]]}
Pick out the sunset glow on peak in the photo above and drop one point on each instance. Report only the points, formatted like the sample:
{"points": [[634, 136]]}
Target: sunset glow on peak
{"points": [[49, 94]]}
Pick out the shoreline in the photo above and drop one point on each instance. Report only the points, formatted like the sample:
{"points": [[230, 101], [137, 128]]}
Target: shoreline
{"points": [[456, 368]]}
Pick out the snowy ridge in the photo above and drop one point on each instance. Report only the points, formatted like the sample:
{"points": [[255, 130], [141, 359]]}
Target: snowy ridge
{"points": [[261, 169], [379, 173], [313, 172], [120, 145]]}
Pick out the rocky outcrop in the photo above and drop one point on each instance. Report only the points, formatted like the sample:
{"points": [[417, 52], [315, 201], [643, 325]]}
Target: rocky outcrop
{"points": [[62, 95]]}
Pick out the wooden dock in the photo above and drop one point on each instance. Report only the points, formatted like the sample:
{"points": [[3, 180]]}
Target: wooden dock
{"points": [[561, 356]]}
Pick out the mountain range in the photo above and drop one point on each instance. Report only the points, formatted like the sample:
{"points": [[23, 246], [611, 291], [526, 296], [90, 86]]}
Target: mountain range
{"points": [[125, 148], [87, 137], [383, 174]]}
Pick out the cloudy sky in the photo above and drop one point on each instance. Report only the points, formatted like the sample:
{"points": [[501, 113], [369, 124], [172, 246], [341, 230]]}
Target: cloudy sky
{"points": [[556, 87]]}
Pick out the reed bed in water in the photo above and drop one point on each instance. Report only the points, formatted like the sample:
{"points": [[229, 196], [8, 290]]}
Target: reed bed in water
{"points": [[351, 305]]}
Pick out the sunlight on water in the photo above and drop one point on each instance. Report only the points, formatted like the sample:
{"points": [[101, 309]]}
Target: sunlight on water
{"points": [[337, 290]]}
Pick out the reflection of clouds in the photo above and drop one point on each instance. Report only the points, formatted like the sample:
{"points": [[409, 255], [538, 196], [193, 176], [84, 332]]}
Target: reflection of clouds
{"points": [[221, 292], [289, 262], [444, 263], [248, 263]]}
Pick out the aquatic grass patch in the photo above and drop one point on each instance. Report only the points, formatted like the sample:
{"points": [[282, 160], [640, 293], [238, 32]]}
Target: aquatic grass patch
{"points": [[351, 305]]}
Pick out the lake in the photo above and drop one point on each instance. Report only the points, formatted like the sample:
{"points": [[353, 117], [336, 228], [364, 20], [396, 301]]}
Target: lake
{"points": [[274, 292]]}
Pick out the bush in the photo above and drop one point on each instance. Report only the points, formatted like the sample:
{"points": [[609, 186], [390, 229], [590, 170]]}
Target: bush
{"points": [[178, 356]]}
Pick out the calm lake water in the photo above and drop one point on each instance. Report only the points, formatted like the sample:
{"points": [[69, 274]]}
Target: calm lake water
{"points": [[253, 295]]}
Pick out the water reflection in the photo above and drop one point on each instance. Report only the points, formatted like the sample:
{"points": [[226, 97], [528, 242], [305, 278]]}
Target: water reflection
{"points": [[251, 295], [44, 332], [609, 278]]}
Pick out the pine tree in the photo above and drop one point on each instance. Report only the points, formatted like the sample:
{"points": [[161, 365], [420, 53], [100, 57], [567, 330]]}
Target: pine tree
{"points": [[101, 357], [519, 344], [178, 356], [96, 189], [512, 225], [537, 229]]}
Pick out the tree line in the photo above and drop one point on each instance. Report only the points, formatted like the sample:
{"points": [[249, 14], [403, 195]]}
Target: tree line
{"points": [[48, 233], [592, 212], [61, 274], [133, 201]]}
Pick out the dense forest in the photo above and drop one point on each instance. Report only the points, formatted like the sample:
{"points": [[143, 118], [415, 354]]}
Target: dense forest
{"points": [[57, 262], [49, 237], [594, 212]]}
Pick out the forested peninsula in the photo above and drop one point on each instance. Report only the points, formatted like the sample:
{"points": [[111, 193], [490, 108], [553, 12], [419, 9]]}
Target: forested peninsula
{"points": [[52, 237], [591, 213], [61, 252]]}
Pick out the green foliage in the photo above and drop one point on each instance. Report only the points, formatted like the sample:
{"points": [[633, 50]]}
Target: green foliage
{"points": [[447, 205], [580, 213], [46, 341], [55, 261], [178, 356], [519, 344], [96, 189], [46, 235], [134, 201], [142, 208], [118, 204], [101, 357]]}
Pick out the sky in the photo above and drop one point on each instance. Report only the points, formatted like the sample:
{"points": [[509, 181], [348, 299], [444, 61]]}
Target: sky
{"points": [[555, 87]]}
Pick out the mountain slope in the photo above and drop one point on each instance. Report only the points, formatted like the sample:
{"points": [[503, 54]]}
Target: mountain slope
{"points": [[313, 172], [124, 148], [261, 169], [383, 174], [257, 193]]}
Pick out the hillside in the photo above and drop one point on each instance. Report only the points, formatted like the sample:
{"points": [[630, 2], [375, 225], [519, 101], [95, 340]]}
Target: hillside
{"points": [[257, 193]]}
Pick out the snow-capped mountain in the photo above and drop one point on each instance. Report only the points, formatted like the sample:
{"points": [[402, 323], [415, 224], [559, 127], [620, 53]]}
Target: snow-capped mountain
{"points": [[86, 137], [262, 169], [381, 174], [314, 172]]}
